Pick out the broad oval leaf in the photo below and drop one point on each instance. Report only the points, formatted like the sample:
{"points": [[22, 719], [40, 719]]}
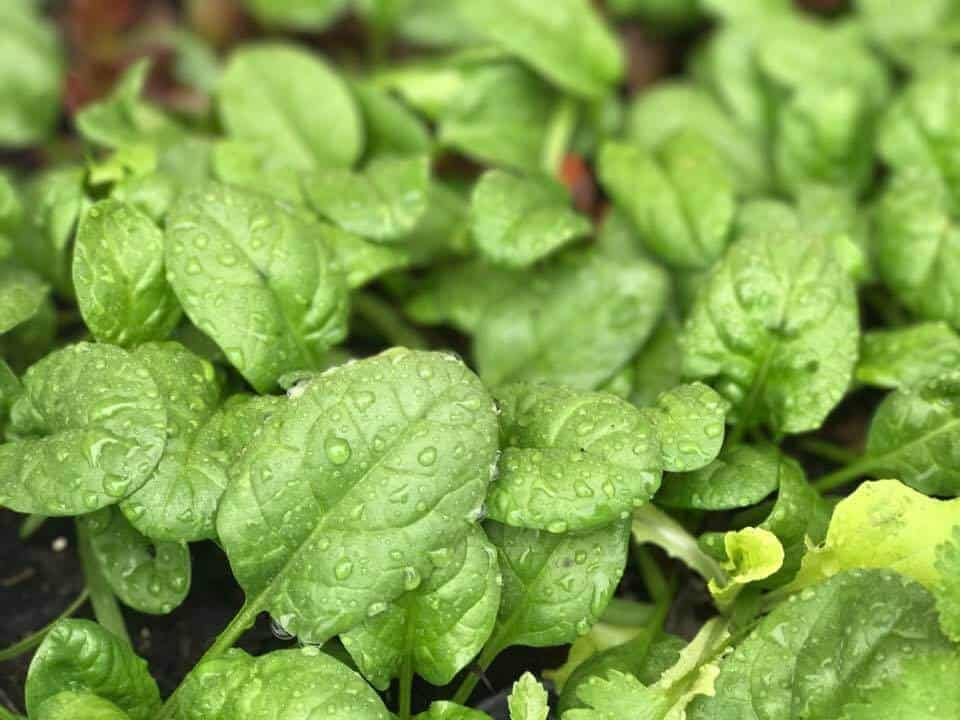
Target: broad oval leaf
{"points": [[256, 278], [369, 470], [571, 460], [688, 421], [119, 276], [742, 476], [775, 329], [89, 430], [78, 706], [926, 690], [294, 684], [907, 356], [81, 656], [149, 576], [392, 128], [555, 586], [575, 322], [518, 220], [291, 101], [22, 294], [440, 626], [813, 655]]}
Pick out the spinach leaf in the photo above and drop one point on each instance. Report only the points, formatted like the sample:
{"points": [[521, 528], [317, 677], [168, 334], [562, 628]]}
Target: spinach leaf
{"points": [[688, 422], [296, 14], [443, 710], [106, 434], [119, 277], [22, 294], [78, 706], [460, 294], [742, 476], [391, 127], [947, 589], [369, 474], [517, 220], [364, 260], [907, 356], [257, 278], [925, 691], [82, 657]]}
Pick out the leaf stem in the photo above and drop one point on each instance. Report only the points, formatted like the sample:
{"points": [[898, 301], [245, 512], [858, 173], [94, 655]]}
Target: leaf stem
{"points": [[35, 638], [104, 602], [406, 687], [240, 623], [490, 651], [30, 525], [844, 475], [8, 715], [560, 131], [652, 525], [828, 451], [387, 321]]}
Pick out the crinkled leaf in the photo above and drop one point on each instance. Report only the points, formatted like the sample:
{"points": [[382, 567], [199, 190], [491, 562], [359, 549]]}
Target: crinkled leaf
{"points": [[256, 278], [680, 197], [688, 422], [383, 203], [883, 524], [119, 276], [518, 220], [528, 699], [947, 589], [80, 656], [775, 329], [31, 75], [906, 356], [571, 460], [826, 648], [566, 41], [301, 684], [440, 626], [290, 101], [575, 322], [555, 586], [742, 476], [149, 576], [78, 706], [927, 689], [90, 429], [752, 554], [351, 490], [22, 294]]}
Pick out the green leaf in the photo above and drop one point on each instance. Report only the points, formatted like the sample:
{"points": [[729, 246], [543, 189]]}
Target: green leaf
{"points": [[22, 294], [303, 684], [78, 706], [149, 576], [440, 626], [364, 260], [752, 554], [178, 500], [30, 340], [460, 294], [82, 657], [567, 41], [742, 476], [271, 94], [668, 108], [528, 699], [391, 127], [912, 435], [90, 413], [124, 119], [118, 273], [300, 15], [908, 356], [652, 525], [255, 166], [382, 203], [915, 37], [443, 710], [498, 114], [926, 690], [269, 316], [31, 75], [916, 245], [774, 328], [576, 323], [680, 196], [373, 470], [947, 589], [883, 524], [555, 586], [518, 220], [571, 460], [827, 648], [688, 421]]}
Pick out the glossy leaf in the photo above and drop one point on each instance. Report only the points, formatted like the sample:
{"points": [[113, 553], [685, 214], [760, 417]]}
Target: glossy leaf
{"points": [[907, 356], [689, 422], [78, 706], [270, 94], [439, 626], [119, 276], [925, 691], [947, 589], [90, 413], [577, 322], [571, 460], [517, 220], [364, 260], [372, 470], [149, 576], [555, 586], [292, 684], [80, 656], [680, 197], [391, 127], [22, 294], [443, 710], [774, 328], [382, 203], [270, 316], [528, 699], [742, 476], [812, 656]]}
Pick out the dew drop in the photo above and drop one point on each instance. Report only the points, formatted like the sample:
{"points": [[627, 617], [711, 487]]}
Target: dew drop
{"points": [[343, 569], [427, 456], [337, 449]]}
